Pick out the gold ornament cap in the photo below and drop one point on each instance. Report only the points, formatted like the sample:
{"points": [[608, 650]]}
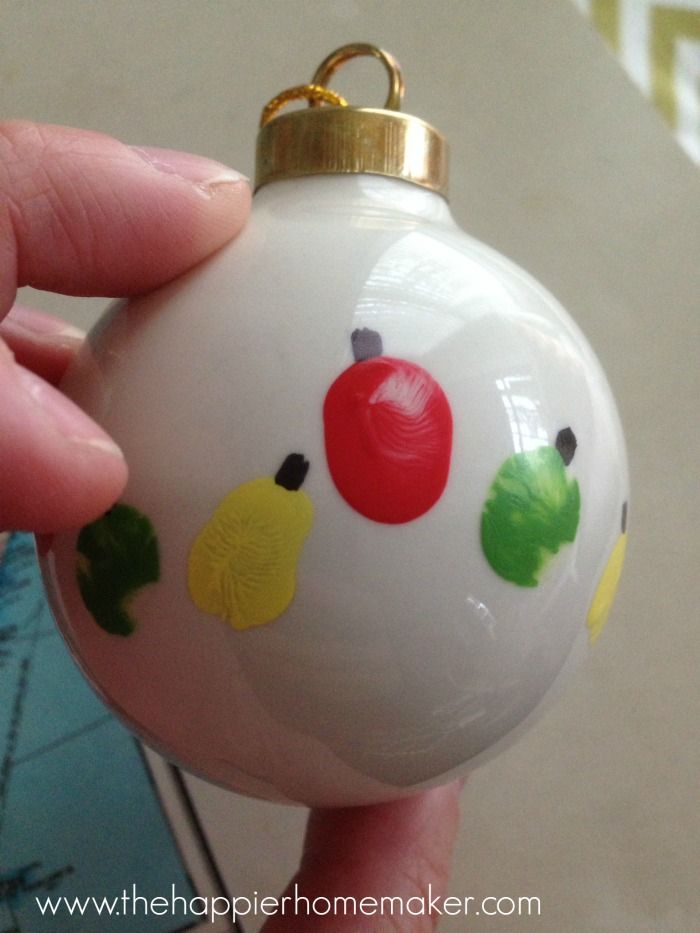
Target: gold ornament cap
{"points": [[331, 137]]}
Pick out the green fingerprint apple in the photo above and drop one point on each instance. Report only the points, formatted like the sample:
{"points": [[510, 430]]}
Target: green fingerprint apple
{"points": [[118, 555], [532, 510]]}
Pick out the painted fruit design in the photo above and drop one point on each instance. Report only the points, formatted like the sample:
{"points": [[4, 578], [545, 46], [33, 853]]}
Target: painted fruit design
{"points": [[607, 587], [118, 555], [532, 510], [242, 565], [388, 434]]}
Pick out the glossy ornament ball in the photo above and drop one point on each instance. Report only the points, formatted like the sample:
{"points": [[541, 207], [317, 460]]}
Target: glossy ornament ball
{"points": [[376, 479]]}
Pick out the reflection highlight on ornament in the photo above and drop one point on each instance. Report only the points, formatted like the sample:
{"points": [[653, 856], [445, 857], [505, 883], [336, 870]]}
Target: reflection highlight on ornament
{"points": [[483, 615], [444, 296], [523, 413]]}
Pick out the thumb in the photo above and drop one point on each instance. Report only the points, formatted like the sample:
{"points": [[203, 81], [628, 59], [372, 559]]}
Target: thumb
{"points": [[386, 854], [58, 469]]}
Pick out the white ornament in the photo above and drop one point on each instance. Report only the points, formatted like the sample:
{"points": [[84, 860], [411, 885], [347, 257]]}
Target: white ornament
{"points": [[376, 477]]}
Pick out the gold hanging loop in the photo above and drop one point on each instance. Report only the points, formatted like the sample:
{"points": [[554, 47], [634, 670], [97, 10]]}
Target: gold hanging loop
{"points": [[341, 139], [332, 62]]}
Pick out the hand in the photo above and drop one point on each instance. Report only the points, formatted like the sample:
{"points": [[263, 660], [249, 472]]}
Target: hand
{"points": [[401, 849], [84, 214]]}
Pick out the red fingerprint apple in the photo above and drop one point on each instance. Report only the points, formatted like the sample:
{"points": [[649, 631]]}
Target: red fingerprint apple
{"points": [[388, 430]]}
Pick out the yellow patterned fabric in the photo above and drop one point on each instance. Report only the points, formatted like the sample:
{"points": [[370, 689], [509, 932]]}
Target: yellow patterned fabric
{"points": [[658, 43]]}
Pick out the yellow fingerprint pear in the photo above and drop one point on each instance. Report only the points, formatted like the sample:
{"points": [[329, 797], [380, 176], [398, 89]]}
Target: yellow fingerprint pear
{"points": [[605, 594], [242, 566]]}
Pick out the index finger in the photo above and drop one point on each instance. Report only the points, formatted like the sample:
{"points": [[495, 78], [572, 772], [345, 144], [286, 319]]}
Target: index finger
{"points": [[83, 214]]}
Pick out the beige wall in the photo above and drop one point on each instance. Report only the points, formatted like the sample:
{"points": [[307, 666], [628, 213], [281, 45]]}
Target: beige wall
{"points": [[558, 162]]}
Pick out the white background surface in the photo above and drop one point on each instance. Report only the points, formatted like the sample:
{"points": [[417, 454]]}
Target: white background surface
{"points": [[560, 164]]}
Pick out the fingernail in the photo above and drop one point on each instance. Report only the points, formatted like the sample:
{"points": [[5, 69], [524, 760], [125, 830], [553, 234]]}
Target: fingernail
{"points": [[41, 330], [205, 174], [38, 322], [64, 415], [71, 333]]}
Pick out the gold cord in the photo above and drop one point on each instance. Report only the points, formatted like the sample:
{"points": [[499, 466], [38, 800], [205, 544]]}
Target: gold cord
{"points": [[314, 93]]}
